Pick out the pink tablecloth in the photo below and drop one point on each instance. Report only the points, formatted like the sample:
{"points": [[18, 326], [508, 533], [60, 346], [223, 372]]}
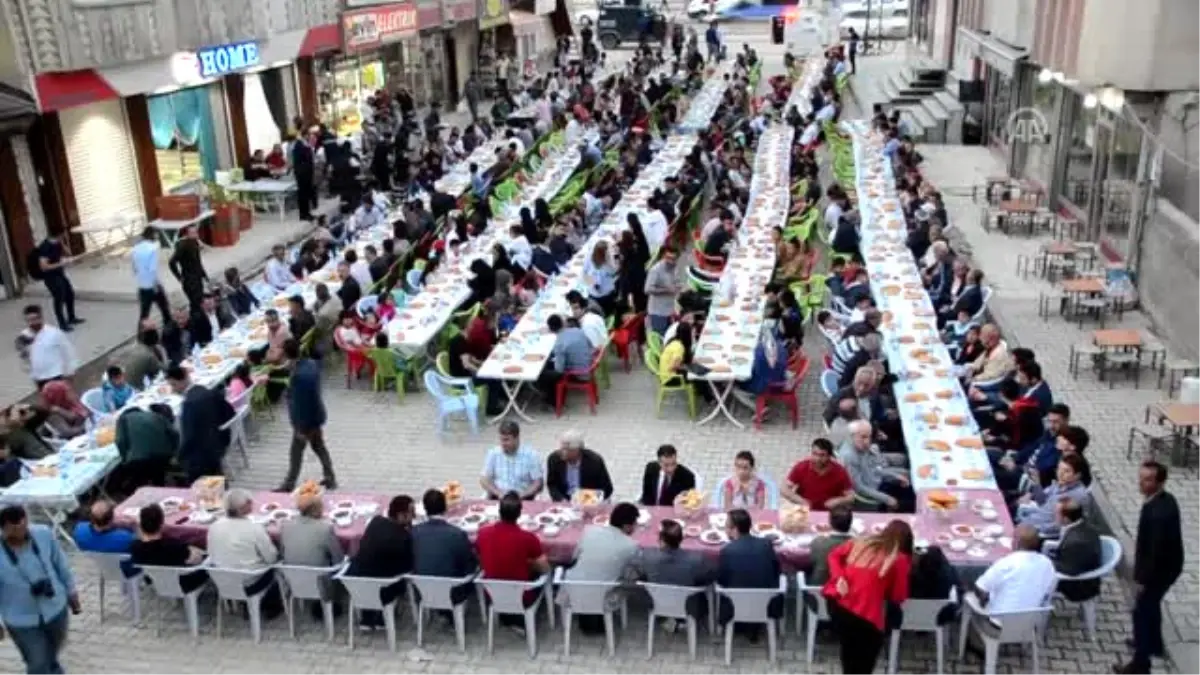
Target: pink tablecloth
{"points": [[179, 525]]}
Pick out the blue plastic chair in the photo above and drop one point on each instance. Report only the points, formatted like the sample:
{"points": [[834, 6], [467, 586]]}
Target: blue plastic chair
{"points": [[772, 491], [829, 383], [449, 401], [93, 400], [412, 281], [367, 304]]}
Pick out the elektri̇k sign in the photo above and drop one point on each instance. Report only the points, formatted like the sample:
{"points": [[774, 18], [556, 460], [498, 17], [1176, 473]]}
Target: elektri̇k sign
{"points": [[1027, 125]]}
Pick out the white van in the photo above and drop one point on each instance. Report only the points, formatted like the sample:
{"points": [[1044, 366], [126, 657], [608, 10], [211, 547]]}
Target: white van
{"points": [[889, 20]]}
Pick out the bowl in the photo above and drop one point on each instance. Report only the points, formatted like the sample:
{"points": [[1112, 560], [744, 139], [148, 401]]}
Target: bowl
{"points": [[550, 530]]}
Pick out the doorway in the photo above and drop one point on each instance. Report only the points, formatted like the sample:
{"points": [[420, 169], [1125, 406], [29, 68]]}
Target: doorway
{"points": [[449, 49]]}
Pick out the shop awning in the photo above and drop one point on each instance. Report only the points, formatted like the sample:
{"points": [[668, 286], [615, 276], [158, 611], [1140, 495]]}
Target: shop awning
{"points": [[997, 54]]}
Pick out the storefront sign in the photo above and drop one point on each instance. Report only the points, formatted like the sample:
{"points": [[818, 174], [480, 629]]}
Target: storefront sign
{"points": [[492, 13], [218, 61], [460, 11], [370, 28]]}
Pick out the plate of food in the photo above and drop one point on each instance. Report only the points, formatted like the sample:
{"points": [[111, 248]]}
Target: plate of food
{"points": [[962, 530], [550, 530], [341, 514], [692, 531], [202, 517], [547, 518], [934, 445], [170, 503], [718, 520], [916, 397], [762, 527], [512, 370], [977, 552], [643, 516], [958, 545], [713, 537], [474, 518], [280, 515], [601, 519], [955, 420], [975, 474], [941, 500]]}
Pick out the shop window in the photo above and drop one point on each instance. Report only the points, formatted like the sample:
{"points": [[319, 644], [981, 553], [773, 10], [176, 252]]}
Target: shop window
{"points": [[1000, 106], [344, 91], [1039, 157], [1077, 175], [181, 126], [1118, 188]]}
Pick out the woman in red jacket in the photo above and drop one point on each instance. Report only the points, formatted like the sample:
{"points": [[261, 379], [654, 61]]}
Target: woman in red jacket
{"points": [[865, 575]]}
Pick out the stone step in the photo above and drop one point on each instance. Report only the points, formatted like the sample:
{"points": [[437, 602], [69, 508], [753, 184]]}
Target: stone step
{"points": [[922, 117], [935, 108], [915, 129], [949, 101]]}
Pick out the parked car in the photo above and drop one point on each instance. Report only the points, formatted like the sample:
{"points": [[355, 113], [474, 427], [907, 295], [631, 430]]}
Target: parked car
{"points": [[716, 9], [890, 22], [614, 22]]}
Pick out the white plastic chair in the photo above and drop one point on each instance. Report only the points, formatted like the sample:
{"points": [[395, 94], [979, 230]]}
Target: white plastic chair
{"points": [[110, 569], [435, 594], [1109, 558], [590, 598], [166, 582], [1015, 628], [920, 616], [812, 617], [298, 582], [829, 383], [670, 602], [93, 400], [508, 597], [980, 315], [236, 426], [232, 584], [364, 594], [750, 606]]}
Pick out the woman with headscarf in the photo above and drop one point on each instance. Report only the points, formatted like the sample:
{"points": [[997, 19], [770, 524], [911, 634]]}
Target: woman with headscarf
{"points": [[769, 370], [541, 210], [482, 283], [504, 304], [65, 413], [635, 257], [528, 226]]}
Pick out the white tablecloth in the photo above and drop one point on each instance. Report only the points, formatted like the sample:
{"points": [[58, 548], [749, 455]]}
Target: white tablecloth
{"points": [[944, 446], [70, 475]]}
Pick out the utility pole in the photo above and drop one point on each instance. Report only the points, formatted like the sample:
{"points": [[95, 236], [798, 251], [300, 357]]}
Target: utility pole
{"points": [[866, 27]]}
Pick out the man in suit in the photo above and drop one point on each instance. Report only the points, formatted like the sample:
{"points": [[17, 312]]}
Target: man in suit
{"points": [[672, 566], [970, 297], [841, 517], [204, 411], [441, 549], [209, 320], [1157, 564], [1079, 551], [385, 552], [303, 166], [185, 264], [665, 479], [746, 562], [573, 467], [306, 409], [350, 292]]}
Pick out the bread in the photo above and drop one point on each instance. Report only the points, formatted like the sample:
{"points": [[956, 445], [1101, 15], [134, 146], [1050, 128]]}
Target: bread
{"points": [[971, 442], [915, 397], [937, 446]]}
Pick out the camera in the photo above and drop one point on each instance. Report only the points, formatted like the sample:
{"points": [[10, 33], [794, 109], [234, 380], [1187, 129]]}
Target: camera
{"points": [[42, 588]]}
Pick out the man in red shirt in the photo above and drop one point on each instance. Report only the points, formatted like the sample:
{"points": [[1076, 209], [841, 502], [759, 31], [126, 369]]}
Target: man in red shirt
{"points": [[819, 482], [509, 553]]}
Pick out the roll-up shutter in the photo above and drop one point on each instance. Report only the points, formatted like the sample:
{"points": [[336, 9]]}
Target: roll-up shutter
{"points": [[104, 172]]}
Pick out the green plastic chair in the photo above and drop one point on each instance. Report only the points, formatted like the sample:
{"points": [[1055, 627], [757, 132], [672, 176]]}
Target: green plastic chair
{"points": [[812, 296], [663, 389], [387, 371], [654, 345], [464, 317]]}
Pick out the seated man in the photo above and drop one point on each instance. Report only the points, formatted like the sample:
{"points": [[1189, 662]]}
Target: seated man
{"points": [[441, 549], [509, 553], [236, 542], [1037, 509], [1019, 582], [384, 552], [841, 518], [746, 562], [572, 353], [876, 477], [865, 350], [574, 467], [309, 540], [987, 371], [99, 534], [819, 482], [670, 565], [664, 480], [155, 549], [1079, 550], [603, 553], [511, 466], [1016, 423], [1036, 459]]}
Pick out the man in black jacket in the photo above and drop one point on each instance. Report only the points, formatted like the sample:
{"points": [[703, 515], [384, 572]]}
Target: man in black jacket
{"points": [[1079, 551], [204, 411], [573, 467], [304, 168], [350, 292], [1157, 564], [385, 552], [207, 322], [665, 479], [185, 264]]}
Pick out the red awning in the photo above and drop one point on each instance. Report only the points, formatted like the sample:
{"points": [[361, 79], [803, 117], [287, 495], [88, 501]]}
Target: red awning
{"points": [[57, 91], [319, 39]]}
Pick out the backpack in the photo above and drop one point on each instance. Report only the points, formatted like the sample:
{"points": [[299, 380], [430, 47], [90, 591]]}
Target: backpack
{"points": [[33, 264]]}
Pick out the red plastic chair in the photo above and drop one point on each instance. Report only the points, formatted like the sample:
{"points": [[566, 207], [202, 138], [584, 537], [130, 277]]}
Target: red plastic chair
{"points": [[589, 385], [356, 360], [708, 263], [626, 335], [785, 394]]}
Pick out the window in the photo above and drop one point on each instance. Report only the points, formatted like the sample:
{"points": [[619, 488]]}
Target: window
{"points": [[182, 129], [900, 14], [1039, 157], [1077, 177]]}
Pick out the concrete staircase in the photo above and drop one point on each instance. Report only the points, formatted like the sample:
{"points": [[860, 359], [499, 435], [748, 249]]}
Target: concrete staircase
{"points": [[916, 88]]}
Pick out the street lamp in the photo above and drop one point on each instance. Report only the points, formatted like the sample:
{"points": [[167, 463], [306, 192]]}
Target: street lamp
{"points": [[1045, 76], [1090, 101]]}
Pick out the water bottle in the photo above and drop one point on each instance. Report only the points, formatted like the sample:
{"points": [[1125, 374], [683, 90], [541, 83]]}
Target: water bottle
{"points": [[65, 459]]}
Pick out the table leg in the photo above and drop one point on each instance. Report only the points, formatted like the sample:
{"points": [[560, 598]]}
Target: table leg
{"points": [[57, 518], [722, 395], [513, 406]]}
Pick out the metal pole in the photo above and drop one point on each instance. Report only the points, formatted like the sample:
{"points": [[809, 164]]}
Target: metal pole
{"points": [[866, 27]]}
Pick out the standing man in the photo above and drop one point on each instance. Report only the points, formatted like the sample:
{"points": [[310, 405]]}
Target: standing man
{"points": [[186, 266], [145, 272], [1157, 564], [51, 354], [306, 409], [473, 92], [52, 261], [204, 411], [712, 38], [662, 287], [303, 167], [502, 66]]}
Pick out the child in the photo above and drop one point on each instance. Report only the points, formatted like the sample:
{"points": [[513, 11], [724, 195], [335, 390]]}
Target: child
{"points": [[347, 333], [116, 390], [386, 309], [830, 325], [369, 326]]}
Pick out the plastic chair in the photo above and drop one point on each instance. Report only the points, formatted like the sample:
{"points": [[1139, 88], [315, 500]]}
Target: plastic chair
{"points": [[93, 400], [508, 597], [1015, 628], [356, 359], [453, 395], [435, 594], [1109, 558], [236, 426], [623, 337], [231, 584], [785, 394], [298, 582], [670, 602], [979, 317], [921, 616], [412, 281], [367, 304], [364, 593], [829, 383], [111, 568], [772, 490], [710, 264], [651, 359], [810, 604], [750, 606], [588, 386], [590, 598], [387, 371], [654, 343], [166, 582]]}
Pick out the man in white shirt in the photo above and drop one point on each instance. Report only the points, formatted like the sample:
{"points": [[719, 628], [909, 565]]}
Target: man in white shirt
{"points": [[277, 274], [1021, 581], [144, 257], [833, 214], [519, 250], [511, 139], [359, 269], [51, 354], [368, 215], [592, 324]]}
